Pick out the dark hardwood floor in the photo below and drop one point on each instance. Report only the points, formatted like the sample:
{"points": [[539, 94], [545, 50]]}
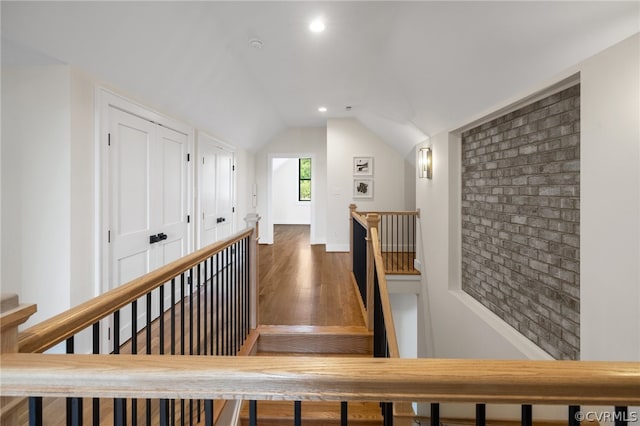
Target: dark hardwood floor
{"points": [[302, 284]]}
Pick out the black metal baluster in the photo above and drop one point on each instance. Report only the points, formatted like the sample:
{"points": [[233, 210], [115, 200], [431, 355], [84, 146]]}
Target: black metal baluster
{"points": [[198, 310], [527, 415], [182, 314], [182, 338], [35, 411], [191, 284], [198, 325], [163, 402], [172, 327], [172, 344], [435, 414], [245, 291], [621, 415], [208, 412], [218, 304], [96, 350], [223, 305], [134, 350], [148, 351], [74, 405], [344, 413], [481, 415], [119, 404], [297, 413], [205, 318], [226, 304], [134, 327], [120, 412], [211, 304], [574, 419], [253, 413], [234, 300], [387, 413], [164, 412], [247, 255]]}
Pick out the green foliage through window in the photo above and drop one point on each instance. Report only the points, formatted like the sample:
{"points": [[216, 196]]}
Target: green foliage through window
{"points": [[304, 183]]}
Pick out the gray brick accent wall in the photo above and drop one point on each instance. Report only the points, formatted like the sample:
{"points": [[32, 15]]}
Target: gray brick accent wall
{"points": [[521, 220]]}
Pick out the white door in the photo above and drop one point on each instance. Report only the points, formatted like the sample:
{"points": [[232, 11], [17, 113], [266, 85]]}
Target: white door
{"points": [[216, 194], [148, 200]]}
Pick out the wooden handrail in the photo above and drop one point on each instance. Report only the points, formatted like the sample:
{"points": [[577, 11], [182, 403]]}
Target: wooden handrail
{"points": [[57, 329], [390, 327], [312, 378], [398, 213], [362, 219]]}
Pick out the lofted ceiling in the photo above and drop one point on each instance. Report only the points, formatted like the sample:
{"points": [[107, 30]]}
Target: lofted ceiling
{"points": [[407, 69]]}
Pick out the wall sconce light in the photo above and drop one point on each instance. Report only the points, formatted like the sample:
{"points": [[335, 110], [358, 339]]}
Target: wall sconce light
{"points": [[425, 163]]}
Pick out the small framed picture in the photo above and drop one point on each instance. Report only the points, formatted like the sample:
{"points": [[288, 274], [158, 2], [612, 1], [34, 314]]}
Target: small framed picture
{"points": [[363, 166], [362, 188]]}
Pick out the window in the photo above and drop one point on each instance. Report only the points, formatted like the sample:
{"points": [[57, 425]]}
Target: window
{"points": [[304, 179]]}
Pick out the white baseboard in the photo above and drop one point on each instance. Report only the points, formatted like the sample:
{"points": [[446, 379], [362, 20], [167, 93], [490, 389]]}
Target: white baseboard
{"points": [[337, 247]]}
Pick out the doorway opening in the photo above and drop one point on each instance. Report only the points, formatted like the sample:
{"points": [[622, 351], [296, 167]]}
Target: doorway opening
{"points": [[291, 192]]}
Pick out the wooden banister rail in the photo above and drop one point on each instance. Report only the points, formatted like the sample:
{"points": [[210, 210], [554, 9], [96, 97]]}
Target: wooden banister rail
{"points": [[392, 340], [335, 379], [57, 329]]}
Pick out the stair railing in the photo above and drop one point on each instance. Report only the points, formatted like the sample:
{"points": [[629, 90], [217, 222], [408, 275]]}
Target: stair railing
{"points": [[204, 304], [397, 236], [573, 383]]}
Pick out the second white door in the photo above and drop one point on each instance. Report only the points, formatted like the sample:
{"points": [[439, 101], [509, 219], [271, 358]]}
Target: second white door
{"points": [[216, 192]]}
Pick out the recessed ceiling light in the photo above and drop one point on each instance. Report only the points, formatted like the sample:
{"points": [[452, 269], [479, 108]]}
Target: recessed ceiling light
{"points": [[317, 26], [322, 109]]}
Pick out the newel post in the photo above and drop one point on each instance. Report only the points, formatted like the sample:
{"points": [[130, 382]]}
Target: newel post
{"points": [[12, 315], [252, 220], [352, 210], [373, 219]]}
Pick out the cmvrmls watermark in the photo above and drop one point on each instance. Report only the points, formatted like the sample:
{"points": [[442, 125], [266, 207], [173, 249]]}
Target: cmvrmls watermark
{"points": [[607, 416]]}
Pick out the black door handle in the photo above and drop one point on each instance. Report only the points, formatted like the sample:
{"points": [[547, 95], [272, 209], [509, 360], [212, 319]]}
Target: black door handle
{"points": [[153, 239], [162, 236]]}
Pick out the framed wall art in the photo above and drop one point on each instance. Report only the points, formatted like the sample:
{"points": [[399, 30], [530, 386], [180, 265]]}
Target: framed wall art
{"points": [[363, 166], [362, 188]]}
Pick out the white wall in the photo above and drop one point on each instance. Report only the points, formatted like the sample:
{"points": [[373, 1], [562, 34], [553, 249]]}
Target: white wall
{"points": [[294, 143], [36, 186], [610, 204], [610, 229], [83, 184], [347, 138], [286, 208]]}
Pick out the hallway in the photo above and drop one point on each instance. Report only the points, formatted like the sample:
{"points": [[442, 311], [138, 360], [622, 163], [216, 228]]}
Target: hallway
{"points": [[302, 284]]}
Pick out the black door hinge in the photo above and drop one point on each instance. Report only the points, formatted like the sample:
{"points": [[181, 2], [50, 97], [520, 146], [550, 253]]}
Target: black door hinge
{"points": [[188, 157], [108, 139], [188, 218]]}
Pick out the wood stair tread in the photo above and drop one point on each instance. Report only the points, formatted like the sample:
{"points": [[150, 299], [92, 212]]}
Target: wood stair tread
{"points": [[313, 412], [312, 339]]}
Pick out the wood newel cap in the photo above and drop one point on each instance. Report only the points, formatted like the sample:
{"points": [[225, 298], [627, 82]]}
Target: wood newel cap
{"points": [[373, 219], [12, 315], [352, 208]]}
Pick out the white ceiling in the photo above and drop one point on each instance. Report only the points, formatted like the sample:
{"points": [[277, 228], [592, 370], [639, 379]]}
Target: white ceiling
{"points": [[408, 69]]}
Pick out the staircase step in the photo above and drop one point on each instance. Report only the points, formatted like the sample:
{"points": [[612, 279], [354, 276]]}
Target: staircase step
{"points": [[313, 413], [307, 339]]}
